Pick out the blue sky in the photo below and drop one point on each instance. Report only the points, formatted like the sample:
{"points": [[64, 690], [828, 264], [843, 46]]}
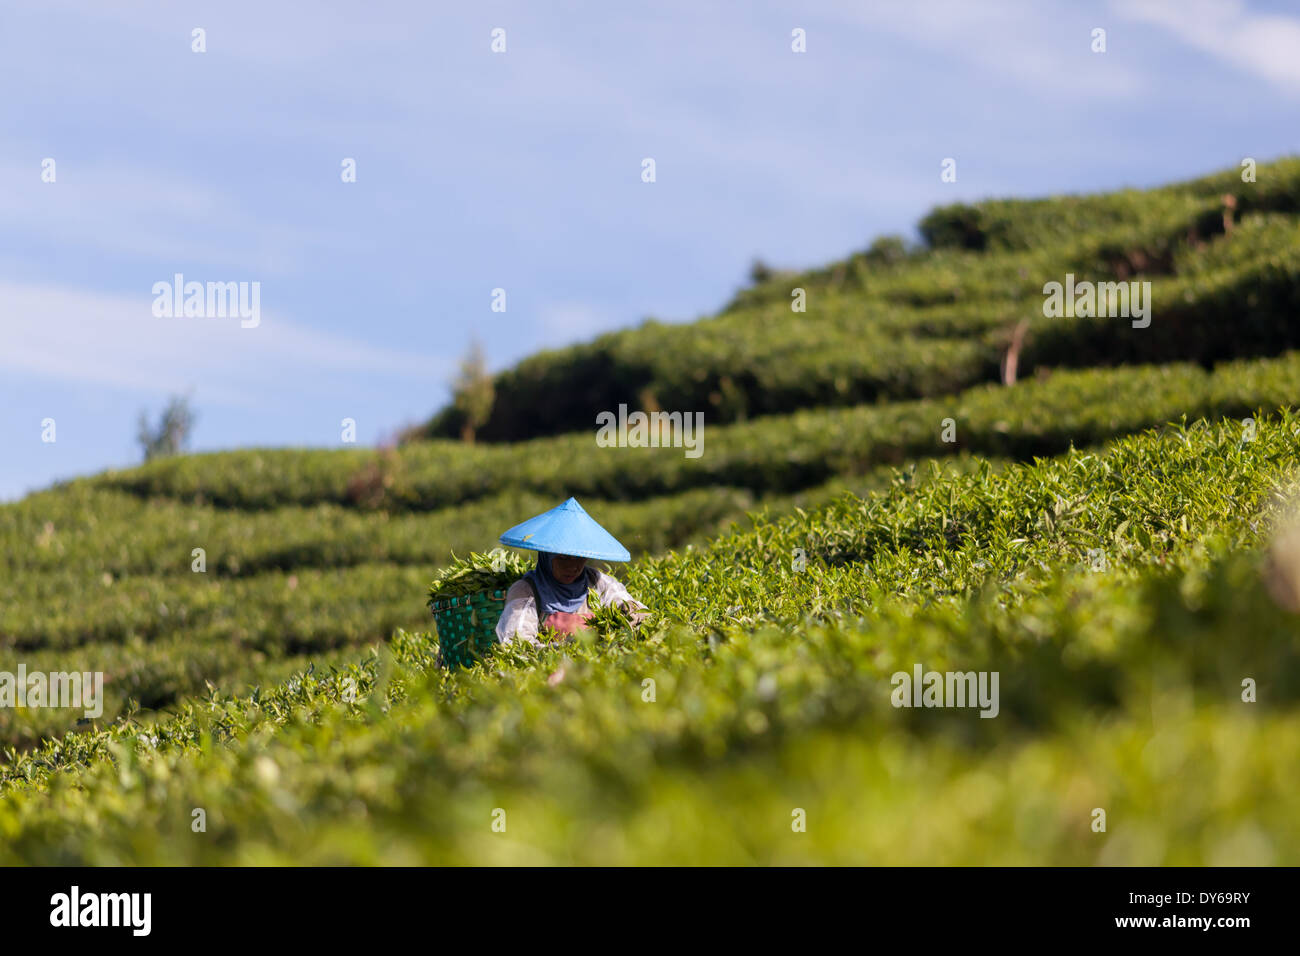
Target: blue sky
{"points": [[521, 171]]}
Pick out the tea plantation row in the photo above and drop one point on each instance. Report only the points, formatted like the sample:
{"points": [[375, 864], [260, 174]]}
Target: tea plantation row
{"points": [[116, 592], [983, 274], [1121, 689], [778, 454], [161, 632]]}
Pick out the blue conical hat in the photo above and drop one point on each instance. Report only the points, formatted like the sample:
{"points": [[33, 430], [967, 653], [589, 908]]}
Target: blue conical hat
{"points": [[566, 529]]}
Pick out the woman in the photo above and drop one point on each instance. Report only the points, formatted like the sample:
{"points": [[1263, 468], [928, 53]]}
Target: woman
{"points": [[553, 596]]}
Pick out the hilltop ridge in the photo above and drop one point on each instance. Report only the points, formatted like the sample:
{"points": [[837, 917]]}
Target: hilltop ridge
{"points": [[894, 322]]}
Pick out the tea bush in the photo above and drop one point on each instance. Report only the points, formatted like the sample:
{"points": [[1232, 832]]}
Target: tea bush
{"points": [[987, 261], [773, 455], [874, 504], [1121, 689], [98, 577]]}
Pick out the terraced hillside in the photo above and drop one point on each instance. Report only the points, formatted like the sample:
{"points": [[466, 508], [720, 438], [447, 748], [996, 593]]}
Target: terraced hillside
{"points": [[871, 500], [102, 571], [770, 695], [889, 324]]}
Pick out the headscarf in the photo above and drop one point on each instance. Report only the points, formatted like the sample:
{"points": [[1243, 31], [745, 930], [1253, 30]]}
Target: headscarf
{"points": [[555, 595]]}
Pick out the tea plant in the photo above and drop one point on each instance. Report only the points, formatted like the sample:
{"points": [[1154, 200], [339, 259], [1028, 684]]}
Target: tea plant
{"points": [[478, 572], [784, 701]]}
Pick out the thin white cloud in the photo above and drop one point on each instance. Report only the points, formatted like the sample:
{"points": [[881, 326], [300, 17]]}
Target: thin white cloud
{"points": [[63, 335], [1017, 39], [149, 213], [1260, 44]]}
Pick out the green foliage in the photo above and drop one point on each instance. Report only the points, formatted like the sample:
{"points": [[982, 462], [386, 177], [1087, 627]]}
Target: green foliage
{"points": [[473, 392], [773, 455], [1120, 689], [1122, 587], [983, 273], [102, 579], [887, 251], [478, 572], [91, 569], [172, 432]]}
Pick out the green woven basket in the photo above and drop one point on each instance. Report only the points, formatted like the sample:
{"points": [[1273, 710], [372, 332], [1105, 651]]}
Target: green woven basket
{"points": [[467, 626]]}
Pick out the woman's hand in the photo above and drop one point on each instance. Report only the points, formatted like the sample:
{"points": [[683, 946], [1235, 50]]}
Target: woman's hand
{"points": [[565, 623]]}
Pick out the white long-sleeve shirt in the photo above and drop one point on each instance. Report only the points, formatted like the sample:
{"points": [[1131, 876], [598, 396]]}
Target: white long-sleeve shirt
{"points": [[519, 619]]}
